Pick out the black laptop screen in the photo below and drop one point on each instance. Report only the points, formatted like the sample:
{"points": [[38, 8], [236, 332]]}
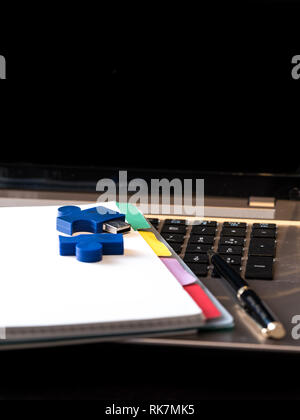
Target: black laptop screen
{"points": [[210, 89]]}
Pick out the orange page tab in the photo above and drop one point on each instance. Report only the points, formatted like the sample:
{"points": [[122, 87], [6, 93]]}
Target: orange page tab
{"points": [[203, 301]]}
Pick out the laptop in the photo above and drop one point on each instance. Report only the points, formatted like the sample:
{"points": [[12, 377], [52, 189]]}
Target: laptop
{"points": [[173, 95]]}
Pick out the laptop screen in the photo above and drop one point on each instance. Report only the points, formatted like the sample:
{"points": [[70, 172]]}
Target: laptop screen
{"points": [[213, 89]]}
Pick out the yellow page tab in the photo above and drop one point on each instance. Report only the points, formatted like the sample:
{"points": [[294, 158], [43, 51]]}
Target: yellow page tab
{"points": [[158, 247]]}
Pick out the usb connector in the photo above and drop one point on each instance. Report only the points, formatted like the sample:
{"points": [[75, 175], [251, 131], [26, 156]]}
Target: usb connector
{"points": [[116, 226]]}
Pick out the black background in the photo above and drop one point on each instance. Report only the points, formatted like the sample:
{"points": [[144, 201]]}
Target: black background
{"points": [[200, 88], [120, 373]]}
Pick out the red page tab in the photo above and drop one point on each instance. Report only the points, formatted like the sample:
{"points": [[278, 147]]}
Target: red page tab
{"points": [[203, 301]]}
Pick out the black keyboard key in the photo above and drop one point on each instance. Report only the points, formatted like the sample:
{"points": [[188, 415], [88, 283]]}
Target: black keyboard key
{"points": [[260, 268], [153, 221], [215, 273], [232, 241], [173, 238], [232, 250], [206, 223], [232, 259], [200, 249], [203, 230], [196, 258], [263, 233], [264, 247], [176, 247], [174, 229], [233, 232], [180, 222], [264, 226], [235, 225], [199, 239], [200, 270]]}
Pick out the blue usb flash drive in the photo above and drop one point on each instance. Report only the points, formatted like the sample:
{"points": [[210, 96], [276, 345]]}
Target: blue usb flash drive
{"points": [[90, 248]]}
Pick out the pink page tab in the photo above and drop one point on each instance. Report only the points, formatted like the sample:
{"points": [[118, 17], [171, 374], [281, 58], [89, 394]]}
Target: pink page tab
{"points": [[178, 271], [192, 288]]}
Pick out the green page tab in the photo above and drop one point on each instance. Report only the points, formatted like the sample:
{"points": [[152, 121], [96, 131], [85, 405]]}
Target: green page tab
{"points": [[133, 216]]}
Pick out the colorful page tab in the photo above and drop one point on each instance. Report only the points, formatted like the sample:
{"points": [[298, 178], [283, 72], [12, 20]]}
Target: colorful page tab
{"points": [[200, 297], [158, 247], [133, 216], [184, 277]]}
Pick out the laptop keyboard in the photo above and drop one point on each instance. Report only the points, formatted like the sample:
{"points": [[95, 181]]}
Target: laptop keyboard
{"points": [[248, 249]]}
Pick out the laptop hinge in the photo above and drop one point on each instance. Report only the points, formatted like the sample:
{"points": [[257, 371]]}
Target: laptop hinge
{"points": [[262, 202]]}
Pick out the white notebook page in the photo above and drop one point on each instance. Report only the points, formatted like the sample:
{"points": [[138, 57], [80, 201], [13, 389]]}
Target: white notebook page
{"points": [[38, 287]]}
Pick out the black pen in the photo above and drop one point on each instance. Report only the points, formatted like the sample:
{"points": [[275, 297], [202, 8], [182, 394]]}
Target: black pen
{"points": [[248, 299]]}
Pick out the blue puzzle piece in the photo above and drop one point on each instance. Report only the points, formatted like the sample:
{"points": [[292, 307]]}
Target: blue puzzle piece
{"points": [[90, 248], [72, 219]]}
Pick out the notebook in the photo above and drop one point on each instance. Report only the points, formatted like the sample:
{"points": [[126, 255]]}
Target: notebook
{"points": [[45, 296]]}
